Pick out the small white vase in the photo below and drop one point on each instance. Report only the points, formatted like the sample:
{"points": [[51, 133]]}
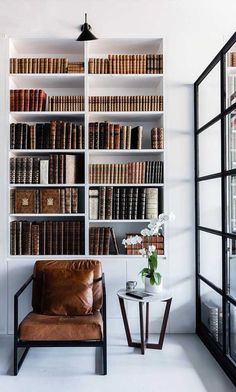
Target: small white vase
{"points": [[153, 289]]}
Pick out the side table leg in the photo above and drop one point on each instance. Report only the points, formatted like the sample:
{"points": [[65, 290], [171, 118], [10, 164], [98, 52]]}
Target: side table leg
{"points": [[147, 321], [125, 320], [141, 304], [159, 345]]}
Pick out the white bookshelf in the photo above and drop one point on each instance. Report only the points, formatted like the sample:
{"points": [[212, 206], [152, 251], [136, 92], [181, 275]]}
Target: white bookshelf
{"points": [[90, 85]]}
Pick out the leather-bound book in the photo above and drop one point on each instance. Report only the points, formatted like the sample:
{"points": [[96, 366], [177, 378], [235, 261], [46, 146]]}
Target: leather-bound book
{"points": [[31, 100], [74, 200], [63, 135], [19, 237], [116, 203], [66, 238], [26, 100], [91, 135], [113, 237], [40, 100], [101, 135], [60, 242], [61, 170], [18, 175], [13, 238], [102, 202], [91, 240], [23, 177], [123, 137], [35, 170], [96, 240], [44, 171], [116, 136], [49, 238], [35, 239], [107, 236], [13, 136], [93, 204], [32, 137], [51, 169], [106, 135], [62, 200], [52, 135], [136, 138], [74, 136], [68, 200], [68, 135], [49, 201], [109, 199], [36, 100], [141, 203], [123, 205], [12, 170], [57, 126], [54, 237], [128, 137], [26, 238], [151, 203], [135, 203], [12, 101], [129, 202], [20, 103], [25, 129], [101, 240], [25, 201], [19, 136], [96, 135], [55, 169], [29, 170]]}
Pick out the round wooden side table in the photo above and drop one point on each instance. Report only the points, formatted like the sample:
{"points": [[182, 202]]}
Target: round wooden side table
{"points": [[160, 297]]}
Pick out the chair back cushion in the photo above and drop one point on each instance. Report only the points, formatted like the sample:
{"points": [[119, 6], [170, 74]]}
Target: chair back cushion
{"points": [[66, 265], [67, 293]]}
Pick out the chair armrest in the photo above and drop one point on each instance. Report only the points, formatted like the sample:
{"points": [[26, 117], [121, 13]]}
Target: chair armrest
{"points": [[16, 297], [104, 297]]}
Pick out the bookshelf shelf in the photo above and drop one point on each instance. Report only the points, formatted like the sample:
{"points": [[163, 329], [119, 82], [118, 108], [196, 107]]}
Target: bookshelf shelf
{"points": [[128, 185], [47, 215], [88, 85], [46, 185], [125, 152], [47, 116], [56, 80], [45, 151]]}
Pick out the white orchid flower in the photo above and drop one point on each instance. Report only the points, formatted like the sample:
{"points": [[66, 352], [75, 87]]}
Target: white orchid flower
{"points": [[142, 252]]}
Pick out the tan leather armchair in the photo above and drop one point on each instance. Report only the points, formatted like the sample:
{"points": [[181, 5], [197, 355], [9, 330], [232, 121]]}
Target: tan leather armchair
{"points": [[69, 308]]}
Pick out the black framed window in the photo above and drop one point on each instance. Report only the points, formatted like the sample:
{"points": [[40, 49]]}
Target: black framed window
{"points": [[215, 192]]}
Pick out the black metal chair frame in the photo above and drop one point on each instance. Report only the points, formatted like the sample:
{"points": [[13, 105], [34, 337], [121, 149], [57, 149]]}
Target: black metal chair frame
{"points": [[58, 343]]}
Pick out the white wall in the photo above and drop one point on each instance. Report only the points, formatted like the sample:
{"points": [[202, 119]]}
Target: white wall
{"points": [[193, 31]]}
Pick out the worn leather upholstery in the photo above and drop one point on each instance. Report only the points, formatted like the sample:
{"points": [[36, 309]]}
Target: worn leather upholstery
{"points": [[71, 265], [67, 292], [39, 327]]}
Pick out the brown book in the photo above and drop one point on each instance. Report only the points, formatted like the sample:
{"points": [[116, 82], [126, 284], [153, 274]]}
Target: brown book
{"points": [[54, 237], [50, 201], [35, 239], [26, 237], [107, 235], [49, 238], [96, 240], [60, 242], [113, 237], [25, 201], [68, 200], [91, 240], [13, 238], [116, 136], [61, 177], [74, 200], [71, 169]]}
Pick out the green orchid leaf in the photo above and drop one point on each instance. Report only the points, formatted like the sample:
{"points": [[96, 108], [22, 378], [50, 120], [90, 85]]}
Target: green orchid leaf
{"points": [[152, 280], [157, 277], [152, 261]]}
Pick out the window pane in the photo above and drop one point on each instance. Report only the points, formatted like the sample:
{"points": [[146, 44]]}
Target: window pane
{"points": [[209, 146], [231, 204], [209, 96], [210, 203], [211, 311], [231, 140], [231, 252], [231, 75], [211, 257], [232, 327]]}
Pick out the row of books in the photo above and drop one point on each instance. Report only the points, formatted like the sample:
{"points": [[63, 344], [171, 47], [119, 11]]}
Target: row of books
{"points": [[53, 135], [45, 65], [25, 100], [127, 64], [68, 103], [44, 201], [232, 59], [126, 103], [156, 240], [147, 172], [57, 169], [102, 241], [105, 135], [123, 203], [47, 238]]}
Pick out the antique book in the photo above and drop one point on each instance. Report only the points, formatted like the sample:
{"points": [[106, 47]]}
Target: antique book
{"points": [[44, 171], [93, 203], [25, 201], [50, 201]]}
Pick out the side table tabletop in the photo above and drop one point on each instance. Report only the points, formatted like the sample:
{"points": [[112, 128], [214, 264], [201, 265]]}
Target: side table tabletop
{"points": [[159, 297]]}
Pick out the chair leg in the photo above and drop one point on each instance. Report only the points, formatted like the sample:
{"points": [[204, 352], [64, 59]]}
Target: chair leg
{"points": [[104, 358], [17, 365]]}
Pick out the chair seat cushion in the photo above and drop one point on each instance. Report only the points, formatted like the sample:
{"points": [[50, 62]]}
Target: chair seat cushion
{"points": [[35, 327]]}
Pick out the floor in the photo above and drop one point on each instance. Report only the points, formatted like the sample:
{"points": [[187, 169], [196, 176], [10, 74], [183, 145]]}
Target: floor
{"points": [[183, 365]]}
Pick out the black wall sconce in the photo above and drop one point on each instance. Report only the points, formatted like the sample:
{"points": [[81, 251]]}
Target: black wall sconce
{"points": [[86, 34]]}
